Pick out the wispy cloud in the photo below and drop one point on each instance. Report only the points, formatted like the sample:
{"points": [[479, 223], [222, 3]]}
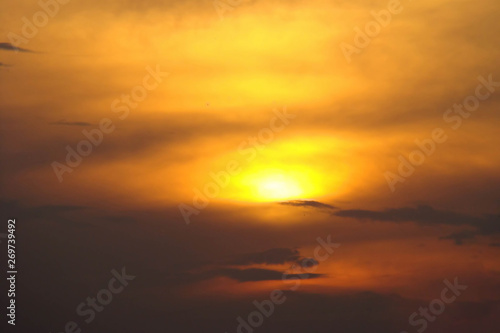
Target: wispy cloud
{"points": [[460, 236], [10, 47], [259, 274], [274, 256], [307, 203], [427, 215]]}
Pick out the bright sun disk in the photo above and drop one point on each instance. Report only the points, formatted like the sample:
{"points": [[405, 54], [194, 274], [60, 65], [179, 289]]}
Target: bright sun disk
{"points": [[278, 187]]}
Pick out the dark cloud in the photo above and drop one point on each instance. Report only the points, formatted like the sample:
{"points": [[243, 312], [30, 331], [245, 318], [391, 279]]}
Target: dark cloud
{"points": [[4, 65], [270, 257], [184, 277], [277, 256], [260, 274], [76, 264], [10, 47], [460, 236], [426, 215], [71, 123], [421, 214], [307, 203]]}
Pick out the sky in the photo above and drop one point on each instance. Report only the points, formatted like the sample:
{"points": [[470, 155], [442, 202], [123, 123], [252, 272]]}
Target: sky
{"points": [[333, 160]]}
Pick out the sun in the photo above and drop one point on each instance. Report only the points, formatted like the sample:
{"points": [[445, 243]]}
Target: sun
{"points": [[287, 170], [277, 187], [272, 184]]}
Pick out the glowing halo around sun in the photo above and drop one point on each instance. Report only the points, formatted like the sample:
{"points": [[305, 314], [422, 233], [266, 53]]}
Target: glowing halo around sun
{"points": [[278, 187], [287, 170], [275, 184]]}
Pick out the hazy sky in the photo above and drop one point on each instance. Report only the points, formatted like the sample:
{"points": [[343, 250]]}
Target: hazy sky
{"points": [[221, 139]]}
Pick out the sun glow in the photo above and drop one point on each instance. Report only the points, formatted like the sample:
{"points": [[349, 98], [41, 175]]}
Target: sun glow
{"points": [[286, 170], [278, 187], [275, 184]]}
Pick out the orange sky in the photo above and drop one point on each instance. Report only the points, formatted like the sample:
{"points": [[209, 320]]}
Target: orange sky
{"points": [[221, 112]]}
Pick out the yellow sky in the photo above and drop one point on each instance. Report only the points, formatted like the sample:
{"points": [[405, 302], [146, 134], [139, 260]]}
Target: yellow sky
{"points": [[262, 56]]}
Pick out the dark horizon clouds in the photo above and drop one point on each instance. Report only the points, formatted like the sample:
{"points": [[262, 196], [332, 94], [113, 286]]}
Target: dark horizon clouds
{"points": [[487, 225], [170, 265], [423, 215], [271, 256], [259, 274]]}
